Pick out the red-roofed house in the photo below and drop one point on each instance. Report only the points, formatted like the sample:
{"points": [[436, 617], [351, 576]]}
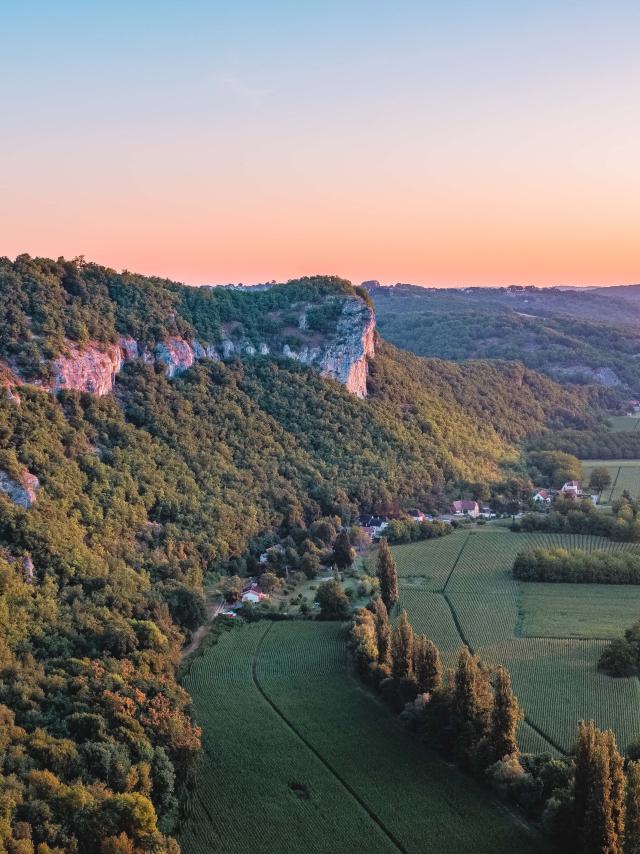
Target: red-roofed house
{"points": [[465, 508], [542, 496]]}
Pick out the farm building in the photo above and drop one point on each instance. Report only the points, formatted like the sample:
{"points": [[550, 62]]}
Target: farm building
{"points": [[465, 508]]}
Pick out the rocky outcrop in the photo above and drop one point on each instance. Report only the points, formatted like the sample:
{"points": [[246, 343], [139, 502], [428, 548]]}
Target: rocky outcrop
{"points": [[583, 373], [341, 355], [175, 354], [346, 358], [92, 368], [21, 491]]}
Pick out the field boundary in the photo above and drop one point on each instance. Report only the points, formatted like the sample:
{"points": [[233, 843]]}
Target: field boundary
{"points": [[527, 720], [455, 563], [372, 815]]}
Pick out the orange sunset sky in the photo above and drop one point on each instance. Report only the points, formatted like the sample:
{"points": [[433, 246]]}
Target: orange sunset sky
{"points": [[440, 144]]}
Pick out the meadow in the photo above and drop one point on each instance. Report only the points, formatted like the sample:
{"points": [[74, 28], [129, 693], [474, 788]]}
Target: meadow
{"points": [[624, 474], [549, 636], [298, 756], [624, 423]]}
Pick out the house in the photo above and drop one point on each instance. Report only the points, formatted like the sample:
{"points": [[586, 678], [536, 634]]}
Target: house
{"points": [[487, 513], [465, 508], [417, 515], [633, 407], [571, 491], [254, 595], [542, 496], [374, 525]]}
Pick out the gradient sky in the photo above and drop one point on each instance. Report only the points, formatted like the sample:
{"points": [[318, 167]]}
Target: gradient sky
{"points": [[438, 143]]}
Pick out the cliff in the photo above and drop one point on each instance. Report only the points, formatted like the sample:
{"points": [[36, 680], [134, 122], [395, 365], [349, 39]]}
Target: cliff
{"points": [[339, 352]]}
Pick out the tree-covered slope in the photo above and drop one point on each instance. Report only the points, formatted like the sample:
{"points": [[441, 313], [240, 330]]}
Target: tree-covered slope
{"points": [[143, 492], [571, 336]]}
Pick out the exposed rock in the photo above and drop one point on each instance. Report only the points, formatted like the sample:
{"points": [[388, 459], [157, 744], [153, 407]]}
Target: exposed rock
{"points": [[27, 569], [584, 373], [92, 368], [22, 491], [346, 359], [342, 355], [176, 354]]}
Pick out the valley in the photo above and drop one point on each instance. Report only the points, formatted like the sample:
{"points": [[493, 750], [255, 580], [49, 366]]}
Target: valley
{"points": [[297, 756], [549, 636]]}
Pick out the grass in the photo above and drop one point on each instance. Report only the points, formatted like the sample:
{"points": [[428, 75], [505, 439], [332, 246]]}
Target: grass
{"points": [[624, 474], [577, 610], [549, 636], [624, 423], [299, 757]]}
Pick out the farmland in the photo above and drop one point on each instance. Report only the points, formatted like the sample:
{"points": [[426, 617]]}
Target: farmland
{"points": [[330, 769], [549, 636], [624, 474], [624, 423]]}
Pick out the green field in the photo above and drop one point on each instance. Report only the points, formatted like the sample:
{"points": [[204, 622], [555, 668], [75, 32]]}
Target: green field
{"points": [[577, 610], [550, 636], [624, 474], [624, 423], [298, 756]]}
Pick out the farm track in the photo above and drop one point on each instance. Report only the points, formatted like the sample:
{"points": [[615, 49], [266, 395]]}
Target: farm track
{"points": [[349, 789], [455, 563]]}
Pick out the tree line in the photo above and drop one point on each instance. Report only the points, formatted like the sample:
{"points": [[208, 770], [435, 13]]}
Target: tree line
{"points": [[577, 567], [587, 802], [573, 517]]}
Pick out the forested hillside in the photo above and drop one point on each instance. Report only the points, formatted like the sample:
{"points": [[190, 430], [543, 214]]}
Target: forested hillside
{"points": [[141, 493], [573, 336]]}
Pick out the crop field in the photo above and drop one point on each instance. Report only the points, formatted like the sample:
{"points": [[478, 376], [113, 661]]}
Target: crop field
{"points": [[624, 423], [577, 610], [550, 636], [298, 756], [624, 474]]}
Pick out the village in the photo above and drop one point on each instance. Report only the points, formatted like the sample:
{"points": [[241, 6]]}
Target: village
{"points": [[284, 590]]}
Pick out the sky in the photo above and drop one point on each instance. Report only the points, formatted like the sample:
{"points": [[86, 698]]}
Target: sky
{"points": [[449, 143]]}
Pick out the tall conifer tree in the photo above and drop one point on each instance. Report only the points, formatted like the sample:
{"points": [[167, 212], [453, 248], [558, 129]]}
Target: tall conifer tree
{"points": [[505, 714], [383, 631], [426, 664], [387, 573], [402, 649], [632, 816]]}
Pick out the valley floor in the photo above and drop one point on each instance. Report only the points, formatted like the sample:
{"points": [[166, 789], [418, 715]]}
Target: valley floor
{"points": [[297, 756], [550, 636]]}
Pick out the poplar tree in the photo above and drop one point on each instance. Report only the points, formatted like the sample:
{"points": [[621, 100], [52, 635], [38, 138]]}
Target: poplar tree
{"points": [[585, 749], [402, 649], [599, 791], [387, 573], [505, 714], [471, 703], [383, 631], [618, 789], [599, 833], [342, 551], [632, 816], [426, 665]]}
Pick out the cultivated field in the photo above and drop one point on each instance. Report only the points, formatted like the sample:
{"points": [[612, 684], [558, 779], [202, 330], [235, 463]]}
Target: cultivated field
{"points": [[624, 474], [624, 423], [298, 756], [550, 636]]}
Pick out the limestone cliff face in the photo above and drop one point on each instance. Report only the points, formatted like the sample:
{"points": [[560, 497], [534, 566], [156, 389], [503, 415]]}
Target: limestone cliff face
{"points": [[341, 355], [92, 369], [346, 358], [21, 490]]}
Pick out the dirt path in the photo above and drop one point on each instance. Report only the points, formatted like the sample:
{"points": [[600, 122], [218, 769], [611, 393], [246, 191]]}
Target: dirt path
{"points": [[213, 609]]}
